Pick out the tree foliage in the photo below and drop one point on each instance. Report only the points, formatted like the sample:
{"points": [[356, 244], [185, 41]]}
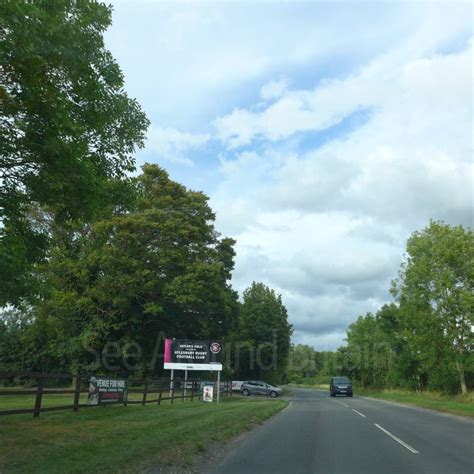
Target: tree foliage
{"points": [[67, 127], [436, 292], [302, 363], [262, 336], [161, 267]]}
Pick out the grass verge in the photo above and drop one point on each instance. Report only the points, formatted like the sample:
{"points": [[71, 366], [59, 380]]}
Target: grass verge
{"points": [[322, 386], [124, 439], [458, 404]]}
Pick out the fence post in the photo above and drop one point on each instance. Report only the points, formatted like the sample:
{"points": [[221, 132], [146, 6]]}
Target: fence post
{"points": [[159, 396], [145, 393], [39, 397], [77, 393]]}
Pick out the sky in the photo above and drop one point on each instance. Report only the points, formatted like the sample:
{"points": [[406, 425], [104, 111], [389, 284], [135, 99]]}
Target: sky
{"points": [[325, 134]]}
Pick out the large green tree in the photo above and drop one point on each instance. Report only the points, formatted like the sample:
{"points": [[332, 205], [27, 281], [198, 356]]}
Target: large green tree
{"points": [[160, 267], [372, 342], [67, 127], [435, 288], [261, 341]]}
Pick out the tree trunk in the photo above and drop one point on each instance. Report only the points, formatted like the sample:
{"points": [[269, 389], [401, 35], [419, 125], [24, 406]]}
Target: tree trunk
{"points": [[460, 368]]}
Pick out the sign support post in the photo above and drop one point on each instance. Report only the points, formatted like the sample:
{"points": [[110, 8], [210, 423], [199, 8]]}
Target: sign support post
{"points": [[185, 382], [218, 386], [172, 383]]}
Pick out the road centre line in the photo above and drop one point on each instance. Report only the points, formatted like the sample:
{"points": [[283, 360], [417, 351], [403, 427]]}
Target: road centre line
{"points": [[398, 440], [342, 403], [359, 413]]}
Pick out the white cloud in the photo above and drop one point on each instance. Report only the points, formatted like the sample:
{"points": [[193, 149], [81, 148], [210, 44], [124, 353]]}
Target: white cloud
{"points": [[273, 89], [399, 75], [172, 145], [411, 159], [187, 62]]}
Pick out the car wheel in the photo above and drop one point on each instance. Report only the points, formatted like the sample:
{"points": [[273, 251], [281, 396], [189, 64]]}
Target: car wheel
{"points": [[245, 393], [273, 394], [331, 394], [350, 395]]}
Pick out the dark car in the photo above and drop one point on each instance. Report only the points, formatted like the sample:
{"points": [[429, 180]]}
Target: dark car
{"points": [[257, 387], [340, 386]]}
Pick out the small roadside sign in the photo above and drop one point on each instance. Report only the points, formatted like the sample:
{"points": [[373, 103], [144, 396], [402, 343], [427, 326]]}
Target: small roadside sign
{"points": [[208, 393]]}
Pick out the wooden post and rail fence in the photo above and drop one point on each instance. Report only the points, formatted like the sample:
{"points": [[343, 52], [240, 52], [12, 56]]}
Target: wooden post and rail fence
{"points": [[154, 391]]}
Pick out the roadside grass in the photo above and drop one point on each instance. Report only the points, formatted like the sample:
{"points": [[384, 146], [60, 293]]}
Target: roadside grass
{"points": [[125, 439], [457, 404], [322, 386]]}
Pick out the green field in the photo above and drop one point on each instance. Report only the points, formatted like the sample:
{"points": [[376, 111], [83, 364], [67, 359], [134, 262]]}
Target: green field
{"points": [[125, 439]]}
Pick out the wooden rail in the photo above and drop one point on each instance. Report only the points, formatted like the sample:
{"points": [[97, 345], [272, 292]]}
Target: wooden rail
{"points": [[153, 388]]}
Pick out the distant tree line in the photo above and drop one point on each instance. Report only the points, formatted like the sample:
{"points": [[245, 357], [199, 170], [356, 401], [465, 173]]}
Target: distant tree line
{"points": [[424, 340], [96, 265]]}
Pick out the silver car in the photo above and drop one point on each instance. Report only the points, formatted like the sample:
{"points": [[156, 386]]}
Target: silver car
{"points": [[257, 387]]}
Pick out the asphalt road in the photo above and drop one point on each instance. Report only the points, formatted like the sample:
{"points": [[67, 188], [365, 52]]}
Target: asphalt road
{"points": [[320, 434]]}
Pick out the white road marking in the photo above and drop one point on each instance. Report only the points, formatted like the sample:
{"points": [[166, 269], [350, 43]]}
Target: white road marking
{"points": [[398, 440], [359, 413], [342, 403]]}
